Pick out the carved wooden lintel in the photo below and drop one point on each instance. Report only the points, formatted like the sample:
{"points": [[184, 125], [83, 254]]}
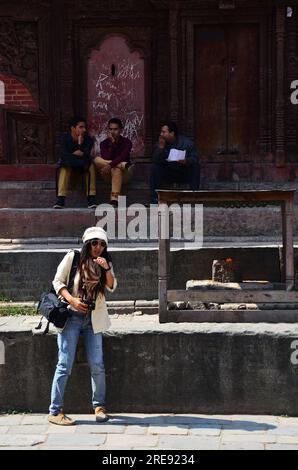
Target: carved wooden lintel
{"points": [[19, 50]]}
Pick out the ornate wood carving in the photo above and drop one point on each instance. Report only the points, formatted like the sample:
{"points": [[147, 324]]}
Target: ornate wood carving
{"points": [[19, 50], [291, 74], [280, 102], [28, 138], [173, 33]]}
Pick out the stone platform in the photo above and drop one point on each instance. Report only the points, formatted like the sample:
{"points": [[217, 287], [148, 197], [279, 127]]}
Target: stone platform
{"points": [[160, 368]]}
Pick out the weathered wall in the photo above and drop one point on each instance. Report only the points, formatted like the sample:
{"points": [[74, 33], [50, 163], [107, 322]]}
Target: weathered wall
{"points": [[213, 369], [25, 275]]}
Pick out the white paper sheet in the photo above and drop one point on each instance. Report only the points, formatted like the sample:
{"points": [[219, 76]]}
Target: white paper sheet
{"points": [[176, 155]]}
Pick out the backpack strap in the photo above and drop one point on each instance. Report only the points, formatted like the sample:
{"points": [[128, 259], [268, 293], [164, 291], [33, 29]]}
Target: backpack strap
{"points": [[73, 269]]}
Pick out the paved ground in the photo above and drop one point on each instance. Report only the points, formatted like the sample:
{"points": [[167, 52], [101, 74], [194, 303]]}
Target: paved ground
{"points": [[151, 432]]}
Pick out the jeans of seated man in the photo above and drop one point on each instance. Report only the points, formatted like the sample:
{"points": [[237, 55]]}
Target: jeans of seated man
{"points": [[173, 172]]}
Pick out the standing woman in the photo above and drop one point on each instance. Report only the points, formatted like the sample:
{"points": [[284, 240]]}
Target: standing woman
{"points": [[94, 275]]}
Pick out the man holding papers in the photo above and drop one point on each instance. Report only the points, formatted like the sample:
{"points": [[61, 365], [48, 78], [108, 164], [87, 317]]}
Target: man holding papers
{"points": [[174, 160]]}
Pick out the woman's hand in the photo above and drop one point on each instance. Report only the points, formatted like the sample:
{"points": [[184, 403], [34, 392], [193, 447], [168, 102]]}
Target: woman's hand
{"points": [[102, 262], [78, 305], [74, 302]]}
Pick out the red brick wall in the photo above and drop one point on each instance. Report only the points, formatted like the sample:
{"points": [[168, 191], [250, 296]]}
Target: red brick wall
{"points": [[16, 94]]}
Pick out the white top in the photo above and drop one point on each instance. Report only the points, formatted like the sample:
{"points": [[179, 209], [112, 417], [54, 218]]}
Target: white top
{"points": [[99, 318]]}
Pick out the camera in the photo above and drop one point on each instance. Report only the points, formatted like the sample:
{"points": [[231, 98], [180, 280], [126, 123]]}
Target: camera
{"points": [[90, 304]]}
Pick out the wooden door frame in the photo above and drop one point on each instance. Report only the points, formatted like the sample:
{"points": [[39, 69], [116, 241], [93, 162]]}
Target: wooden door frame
{"points": [[188, 73], [89, 35]]}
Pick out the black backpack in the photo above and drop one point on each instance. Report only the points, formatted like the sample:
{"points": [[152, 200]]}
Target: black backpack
{"points": [[51, 307]]}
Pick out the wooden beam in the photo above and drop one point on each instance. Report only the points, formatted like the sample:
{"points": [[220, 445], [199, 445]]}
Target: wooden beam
{"points": [[288, 243], [233, 296]]}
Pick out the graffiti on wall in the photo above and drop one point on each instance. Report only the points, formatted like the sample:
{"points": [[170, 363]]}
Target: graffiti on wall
{"points": [[116, 89]]}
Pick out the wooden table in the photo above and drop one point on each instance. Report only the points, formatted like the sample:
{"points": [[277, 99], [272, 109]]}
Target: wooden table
{"points": [[283, 199]]}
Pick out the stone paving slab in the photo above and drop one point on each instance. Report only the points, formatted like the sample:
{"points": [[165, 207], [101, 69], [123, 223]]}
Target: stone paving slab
{"points": [[99, 428], [205, 430], [151, 432], [287, 439], [189, 442], [126, 440], [284, 431], [54, 429], [21, 440], [75, 440], [29, 429], [242, 446], [136, 429], [179, 430], [262, 438]]}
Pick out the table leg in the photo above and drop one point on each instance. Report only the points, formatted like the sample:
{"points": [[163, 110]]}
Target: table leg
{"points": [[288, 244], [163, 260]]}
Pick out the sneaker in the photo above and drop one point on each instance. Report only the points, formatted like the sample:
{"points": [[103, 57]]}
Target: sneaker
{"points": [[61, 419], [100, 414], [91, 202], [59, 203]]}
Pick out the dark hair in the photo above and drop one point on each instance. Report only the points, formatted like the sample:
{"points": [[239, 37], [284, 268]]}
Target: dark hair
{"points": [[85, 253], [74, 121], [116, 121], [171, 125]]}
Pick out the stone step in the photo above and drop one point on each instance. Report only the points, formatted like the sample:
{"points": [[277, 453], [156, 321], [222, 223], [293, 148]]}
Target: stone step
{"points": [[35, 194], [42, 194], [25, 273], [71, 222]]}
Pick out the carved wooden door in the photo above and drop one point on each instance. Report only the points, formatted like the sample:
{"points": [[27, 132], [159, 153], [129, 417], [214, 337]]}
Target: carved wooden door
{"points": [[227, 87]]}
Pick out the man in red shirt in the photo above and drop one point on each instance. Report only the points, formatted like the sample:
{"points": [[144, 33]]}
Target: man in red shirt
{"points": [[114, 163]]}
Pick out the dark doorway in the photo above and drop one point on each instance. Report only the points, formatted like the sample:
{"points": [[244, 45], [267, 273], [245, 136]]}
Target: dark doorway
{"points": [[227, 87]]}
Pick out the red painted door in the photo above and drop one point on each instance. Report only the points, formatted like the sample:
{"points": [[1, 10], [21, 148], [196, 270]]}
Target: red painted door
{"points": [[116, 89]]}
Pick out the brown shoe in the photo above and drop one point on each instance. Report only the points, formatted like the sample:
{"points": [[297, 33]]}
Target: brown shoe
{"points": [[101, 415], [61, 419]]}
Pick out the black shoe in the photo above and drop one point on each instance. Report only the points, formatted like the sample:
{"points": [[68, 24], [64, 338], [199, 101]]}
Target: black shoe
{"points": [[59, 203], [91, 202], [114, 203]]}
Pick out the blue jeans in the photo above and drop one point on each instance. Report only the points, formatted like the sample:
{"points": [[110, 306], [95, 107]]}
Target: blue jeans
{"points": [[67, 344]]}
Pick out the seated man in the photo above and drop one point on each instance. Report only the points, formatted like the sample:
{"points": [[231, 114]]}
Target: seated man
{"points": [[171, 166], [75, 160], [113, 163]]}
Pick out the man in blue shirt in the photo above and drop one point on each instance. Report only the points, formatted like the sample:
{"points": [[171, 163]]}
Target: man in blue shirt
{"points": [[185, 166]]}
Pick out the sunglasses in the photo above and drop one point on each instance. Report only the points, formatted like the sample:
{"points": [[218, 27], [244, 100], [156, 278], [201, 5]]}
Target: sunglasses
{"points": [[98, 242]]}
